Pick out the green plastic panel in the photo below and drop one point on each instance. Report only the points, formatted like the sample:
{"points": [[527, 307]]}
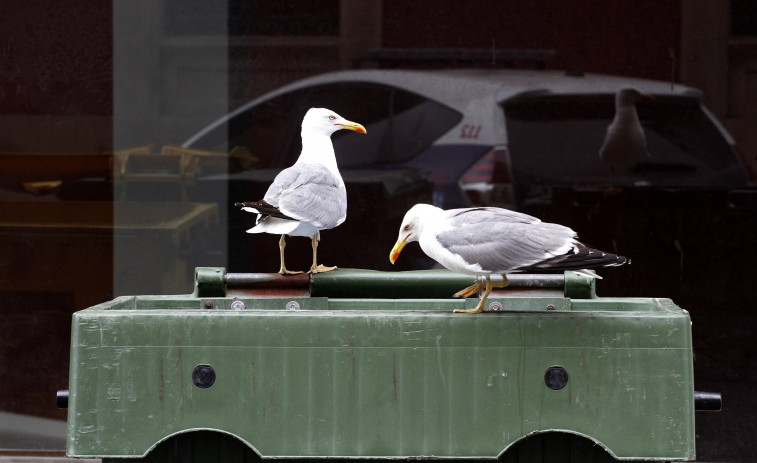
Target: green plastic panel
{"points": [[368, 378]]}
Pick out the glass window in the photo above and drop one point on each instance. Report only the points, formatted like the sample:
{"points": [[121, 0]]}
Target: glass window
{"points": [[290, 18], [555, 140], [401, 124], [247, 18], [743, 18], [99, 199]]}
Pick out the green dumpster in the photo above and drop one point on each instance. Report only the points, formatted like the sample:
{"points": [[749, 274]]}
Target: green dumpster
{"points": [[358, 364]]}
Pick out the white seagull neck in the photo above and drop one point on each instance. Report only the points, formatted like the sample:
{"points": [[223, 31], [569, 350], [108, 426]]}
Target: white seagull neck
{"points": [[318, 149], [432, 223], [625, 107], [626, 114]]}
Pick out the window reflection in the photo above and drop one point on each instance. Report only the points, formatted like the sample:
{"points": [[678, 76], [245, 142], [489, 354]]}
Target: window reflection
{"points": [[98, 198], [554, 140]]}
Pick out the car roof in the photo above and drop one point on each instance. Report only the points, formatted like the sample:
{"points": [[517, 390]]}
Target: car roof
{"points": [[461, 88], [457, 87]]}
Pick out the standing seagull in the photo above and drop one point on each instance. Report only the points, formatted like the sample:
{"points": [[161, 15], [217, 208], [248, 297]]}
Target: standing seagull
{"points": [[486, 240], [625, 143], [309, 196]]}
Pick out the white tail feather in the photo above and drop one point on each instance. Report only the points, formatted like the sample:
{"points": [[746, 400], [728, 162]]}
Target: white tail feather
{"points": [[588, 273]]}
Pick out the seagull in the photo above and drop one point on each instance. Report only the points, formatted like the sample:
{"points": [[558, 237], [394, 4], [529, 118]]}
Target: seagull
{"points": [[309, 196], [490, 240], [625, 143]]}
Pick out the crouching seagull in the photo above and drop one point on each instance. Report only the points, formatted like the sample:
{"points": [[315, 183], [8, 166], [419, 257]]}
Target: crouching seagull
{"points": [[489, 240]]}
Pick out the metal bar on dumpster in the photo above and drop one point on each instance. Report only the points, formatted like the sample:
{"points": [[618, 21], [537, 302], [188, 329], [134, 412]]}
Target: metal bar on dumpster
{"points": [[707, 401], [267, 279], [353, 283], [420, 284], [267, 284], [61, 398], [275, 279]]}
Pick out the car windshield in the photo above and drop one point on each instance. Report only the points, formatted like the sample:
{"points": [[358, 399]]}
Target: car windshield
{"points": [[401, 125], [555, 140]]}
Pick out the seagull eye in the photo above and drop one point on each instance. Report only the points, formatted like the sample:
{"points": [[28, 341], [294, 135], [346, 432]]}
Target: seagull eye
{"points": [[331, 118], [406, 227]]}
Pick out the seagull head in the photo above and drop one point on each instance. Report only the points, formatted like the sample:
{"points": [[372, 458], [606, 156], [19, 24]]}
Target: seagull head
{"points": [[412, 226], [628, 96], [326, 121]]}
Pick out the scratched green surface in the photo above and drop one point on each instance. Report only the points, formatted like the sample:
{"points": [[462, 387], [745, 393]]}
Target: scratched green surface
{"points": [[389, 378]]}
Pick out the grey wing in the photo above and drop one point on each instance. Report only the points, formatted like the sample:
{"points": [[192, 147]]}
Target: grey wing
{"points": [[285, 179], [309, 193], [472, 215], [500, 242]]}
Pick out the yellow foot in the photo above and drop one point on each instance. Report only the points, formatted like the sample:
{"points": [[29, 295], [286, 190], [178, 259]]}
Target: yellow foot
{"points": [[284, 271], [470, 290], [321, 268], [478, 309], [480, 306]]}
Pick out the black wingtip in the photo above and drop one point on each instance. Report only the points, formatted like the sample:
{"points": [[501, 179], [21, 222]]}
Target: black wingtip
{"points": [[616, 260], [585, 258], [264, 209]]}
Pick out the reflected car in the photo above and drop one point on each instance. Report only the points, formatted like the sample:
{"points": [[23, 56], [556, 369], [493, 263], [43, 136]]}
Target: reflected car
{"points": [[488, 137]]}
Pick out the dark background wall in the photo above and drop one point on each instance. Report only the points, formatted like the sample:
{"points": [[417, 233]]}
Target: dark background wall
{"points": [[620, 37], [56, 76]]}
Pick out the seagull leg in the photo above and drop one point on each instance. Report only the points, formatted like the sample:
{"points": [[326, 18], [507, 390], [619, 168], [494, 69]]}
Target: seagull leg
{"points": [[612, 174], [315, 268], [283, 269], [612, 190], [480, 307], [502, 284], [474, 288], [478, 286]]}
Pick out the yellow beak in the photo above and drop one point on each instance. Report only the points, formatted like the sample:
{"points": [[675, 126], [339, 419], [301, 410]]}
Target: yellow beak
{"points": [[397, 249], [349, 125]]}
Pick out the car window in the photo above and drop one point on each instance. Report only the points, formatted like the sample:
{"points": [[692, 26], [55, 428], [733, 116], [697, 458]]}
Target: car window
{"points": [[400, 125], [556, 140], [270, 130]]}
